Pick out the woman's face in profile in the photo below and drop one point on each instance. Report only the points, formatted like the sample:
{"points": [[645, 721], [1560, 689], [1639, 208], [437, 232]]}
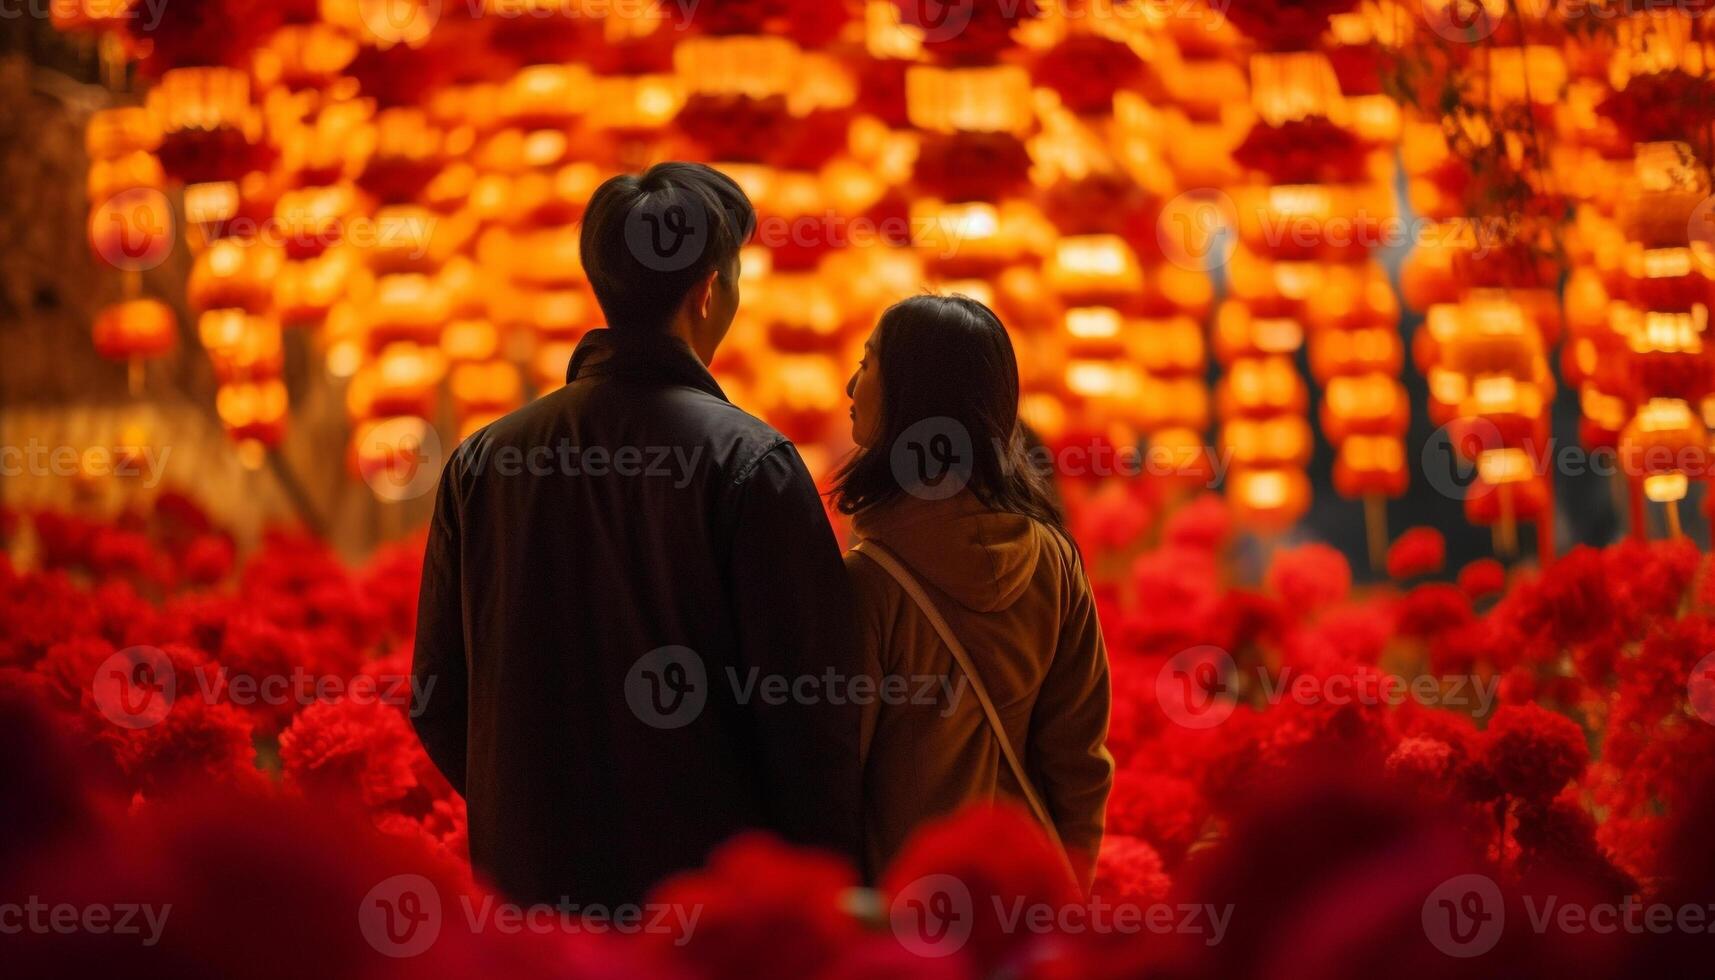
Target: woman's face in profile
{"points": [[865, 391]]}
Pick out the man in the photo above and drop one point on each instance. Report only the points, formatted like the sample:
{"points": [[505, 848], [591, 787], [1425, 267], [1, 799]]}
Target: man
{"points": [[614, 573]]}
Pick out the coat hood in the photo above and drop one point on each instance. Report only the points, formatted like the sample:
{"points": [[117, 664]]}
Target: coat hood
{"points": [[982, 558]]}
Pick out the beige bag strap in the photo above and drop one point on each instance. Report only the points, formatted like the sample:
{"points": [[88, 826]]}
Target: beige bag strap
{"points": [[894, 567]]}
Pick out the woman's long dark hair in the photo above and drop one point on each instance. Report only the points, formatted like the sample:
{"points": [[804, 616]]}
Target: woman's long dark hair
{"points": [[948, 358]]}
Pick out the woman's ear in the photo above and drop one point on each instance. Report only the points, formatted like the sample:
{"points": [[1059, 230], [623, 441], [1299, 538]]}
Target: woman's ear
{"points": [[706, 293]]}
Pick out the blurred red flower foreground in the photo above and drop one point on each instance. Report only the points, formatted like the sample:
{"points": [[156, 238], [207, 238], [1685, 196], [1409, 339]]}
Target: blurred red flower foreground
{"points": [[209, 771]]}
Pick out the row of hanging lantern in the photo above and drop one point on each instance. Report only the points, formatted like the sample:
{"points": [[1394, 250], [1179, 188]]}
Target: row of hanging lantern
{"points": [[1302, 277], [1639, 292], [420, 180]]}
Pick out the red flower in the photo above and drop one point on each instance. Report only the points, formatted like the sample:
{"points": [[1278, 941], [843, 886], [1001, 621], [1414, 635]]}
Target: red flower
{"points": [[1203, 523], [1285, 25], [1128, 872], [768, 910], [997, 855], [1304, 151], [350, 750], [199, 746], [1087, 69], [1309, 577], [1165, 811], [1534, 752], [1483, 577], [1431, 608], [1419, 551]]}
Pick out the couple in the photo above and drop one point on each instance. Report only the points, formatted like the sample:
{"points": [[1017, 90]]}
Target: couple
{"points": [[626, 669]]}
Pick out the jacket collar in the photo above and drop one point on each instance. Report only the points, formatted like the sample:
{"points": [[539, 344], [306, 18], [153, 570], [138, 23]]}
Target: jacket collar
{"points": [[657, 358]]}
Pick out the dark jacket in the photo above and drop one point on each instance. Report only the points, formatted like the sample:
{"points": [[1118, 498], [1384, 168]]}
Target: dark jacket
{"points": [[612, 571]]}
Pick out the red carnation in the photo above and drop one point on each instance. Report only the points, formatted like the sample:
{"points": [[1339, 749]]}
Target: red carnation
{"points": [[1309, 577], [998, 855], [1483, 577], [1432, 608], [1419, 551], [1534, 752], [1128, 872], [769, 910], [197, 743], [1087, 69], [350, 750]]}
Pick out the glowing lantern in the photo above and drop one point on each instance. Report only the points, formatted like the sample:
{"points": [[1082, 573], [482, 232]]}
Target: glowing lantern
{"points": [[1268, 500], [1663, 446], [253, 411], [485, 387], [1364, 404], [136, 328], [991, 99], [241, 346], [546, 96], [1089, 267], [751, 66], [234, 274], [1294, 85]]}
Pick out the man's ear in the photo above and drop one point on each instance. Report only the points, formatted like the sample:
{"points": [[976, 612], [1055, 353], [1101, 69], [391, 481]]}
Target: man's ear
{"points": [[705, 293]]}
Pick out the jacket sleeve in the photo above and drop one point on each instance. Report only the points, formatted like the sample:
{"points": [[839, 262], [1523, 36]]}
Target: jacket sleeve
{"points": [[792, 606], [1068, 732], [440, 681]]}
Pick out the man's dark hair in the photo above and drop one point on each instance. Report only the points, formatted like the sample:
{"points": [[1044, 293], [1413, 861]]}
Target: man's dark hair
{"points": [[648, 238]]}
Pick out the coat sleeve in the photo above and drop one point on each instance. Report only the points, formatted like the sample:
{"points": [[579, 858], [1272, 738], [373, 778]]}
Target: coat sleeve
{"points": [[792, 606], [440, 681], [1068, 732]]}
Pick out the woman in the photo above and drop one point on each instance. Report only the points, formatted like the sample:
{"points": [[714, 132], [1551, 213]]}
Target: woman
{"points": [[953, 523]]}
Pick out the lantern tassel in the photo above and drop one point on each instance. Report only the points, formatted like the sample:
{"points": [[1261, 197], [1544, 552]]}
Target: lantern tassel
{"points": [[1673, 528], [1506, 529], [1375, 528]]}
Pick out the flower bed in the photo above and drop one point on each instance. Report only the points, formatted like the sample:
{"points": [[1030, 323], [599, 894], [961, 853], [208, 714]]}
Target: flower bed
{"points": [[1303, 769]]}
